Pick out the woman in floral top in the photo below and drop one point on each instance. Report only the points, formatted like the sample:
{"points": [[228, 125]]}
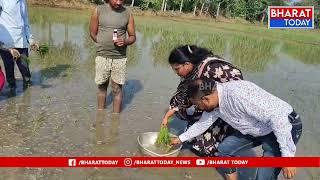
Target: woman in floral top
{"points": [[191, 62]]}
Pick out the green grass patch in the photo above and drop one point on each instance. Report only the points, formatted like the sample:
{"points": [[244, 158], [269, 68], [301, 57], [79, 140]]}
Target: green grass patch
{"points": [[253, 30], [252, 55], [308, 54], [44, 15]]}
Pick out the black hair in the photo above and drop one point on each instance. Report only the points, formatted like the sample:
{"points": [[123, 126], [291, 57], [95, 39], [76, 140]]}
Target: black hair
{"points": [[198, 88], [188, 53]]}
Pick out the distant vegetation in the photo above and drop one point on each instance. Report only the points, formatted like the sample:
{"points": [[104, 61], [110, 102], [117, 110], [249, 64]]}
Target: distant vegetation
{"points": [[250, 10]]}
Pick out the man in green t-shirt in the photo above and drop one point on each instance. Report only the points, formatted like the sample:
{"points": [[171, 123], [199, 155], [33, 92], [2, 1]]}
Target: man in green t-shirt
{"points": [[109, 26]]}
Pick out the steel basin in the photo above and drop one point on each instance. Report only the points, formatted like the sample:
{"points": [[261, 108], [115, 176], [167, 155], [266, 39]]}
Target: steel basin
{"points": [[147, 139]]}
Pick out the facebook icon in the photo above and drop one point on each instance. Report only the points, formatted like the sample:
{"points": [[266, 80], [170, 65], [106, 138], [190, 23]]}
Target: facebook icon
{"points": [[72, 162]]}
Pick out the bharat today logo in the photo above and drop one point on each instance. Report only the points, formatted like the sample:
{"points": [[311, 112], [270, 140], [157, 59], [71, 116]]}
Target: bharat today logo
{"points": [[72, 162], [291, 17]]}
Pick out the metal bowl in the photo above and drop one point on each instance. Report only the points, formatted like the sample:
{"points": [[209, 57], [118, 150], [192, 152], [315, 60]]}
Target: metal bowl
{"points": [[147, 140]]}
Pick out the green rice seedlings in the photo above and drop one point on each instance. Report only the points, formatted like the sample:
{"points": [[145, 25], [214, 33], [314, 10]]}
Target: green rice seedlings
{"points": [[43, 50], [163, 140]]}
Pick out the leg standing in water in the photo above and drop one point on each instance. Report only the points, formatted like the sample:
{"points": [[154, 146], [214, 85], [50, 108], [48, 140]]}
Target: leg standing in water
{"points": [[117, 97], [101, 95]]}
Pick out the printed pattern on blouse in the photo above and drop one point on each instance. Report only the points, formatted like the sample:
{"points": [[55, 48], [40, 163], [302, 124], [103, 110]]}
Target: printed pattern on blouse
{"points": [[221, 71]]}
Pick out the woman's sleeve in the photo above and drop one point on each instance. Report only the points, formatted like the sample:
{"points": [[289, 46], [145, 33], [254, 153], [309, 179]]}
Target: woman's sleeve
{"points": [[179, 101], [222, 72]]}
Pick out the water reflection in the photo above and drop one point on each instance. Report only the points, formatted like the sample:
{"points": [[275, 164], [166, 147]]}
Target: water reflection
{"points": [[59, 62], [65, 40], [15, 116], [107, 136], [130, 89]]}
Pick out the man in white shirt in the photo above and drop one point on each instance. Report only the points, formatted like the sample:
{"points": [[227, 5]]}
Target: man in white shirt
{"points": [[260, 118], [15, 33]]}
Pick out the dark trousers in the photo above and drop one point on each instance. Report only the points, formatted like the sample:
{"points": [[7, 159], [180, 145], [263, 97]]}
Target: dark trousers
{"points": [[237, 142], [22, 64]]}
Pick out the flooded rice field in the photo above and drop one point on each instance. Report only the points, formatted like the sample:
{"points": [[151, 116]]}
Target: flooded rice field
{"points": [[57, 115]]}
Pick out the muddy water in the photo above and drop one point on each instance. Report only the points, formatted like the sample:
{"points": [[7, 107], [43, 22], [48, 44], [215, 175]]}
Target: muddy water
{"points": [[57, 115]]}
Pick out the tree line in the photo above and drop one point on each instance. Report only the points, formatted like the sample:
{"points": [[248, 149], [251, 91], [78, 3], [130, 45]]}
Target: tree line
{"points": [[250, 10]]}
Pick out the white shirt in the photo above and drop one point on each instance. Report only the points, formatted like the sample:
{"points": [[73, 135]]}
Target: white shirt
{"points": [[14, 24], [251, 110]]}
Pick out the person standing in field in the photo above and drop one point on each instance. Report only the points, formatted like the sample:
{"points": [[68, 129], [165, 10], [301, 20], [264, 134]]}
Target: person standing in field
{"points": [[15, 33], [110, 23], [15, 54]]}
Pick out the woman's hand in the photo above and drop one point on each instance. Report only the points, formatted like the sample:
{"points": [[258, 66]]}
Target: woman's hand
{"points": [[164, 122], [175, 141], [167, 116], [15, 53], [289, 172]]}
